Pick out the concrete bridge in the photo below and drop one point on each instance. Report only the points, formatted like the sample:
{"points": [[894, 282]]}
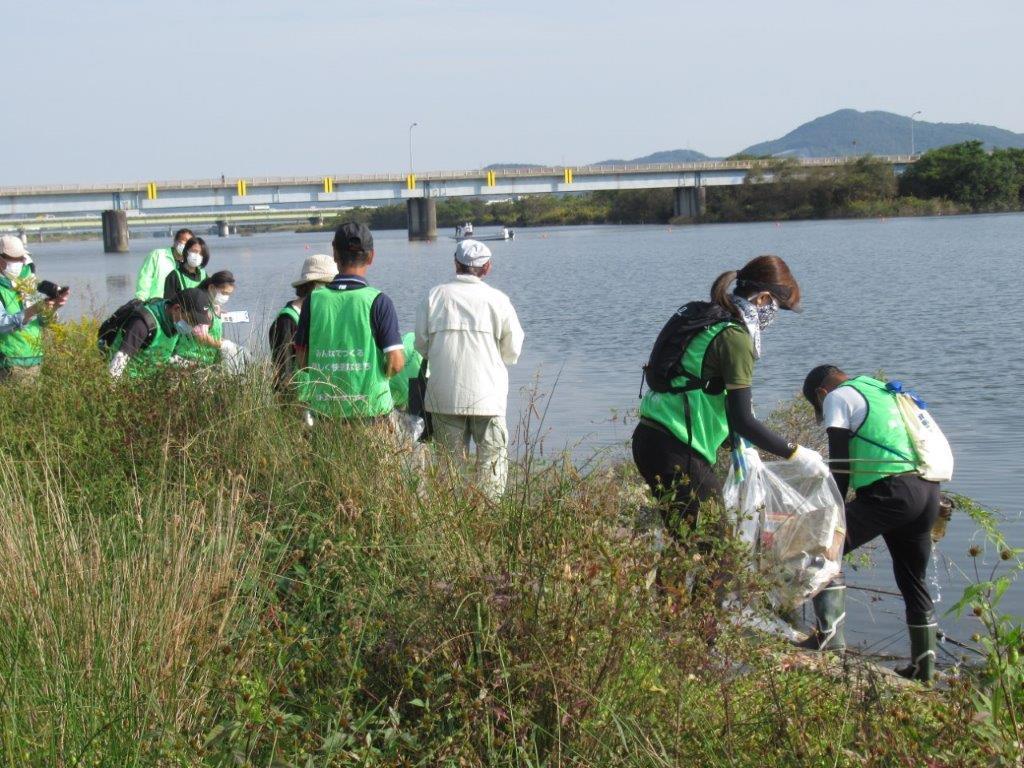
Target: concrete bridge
{"points": [[40, 208]]}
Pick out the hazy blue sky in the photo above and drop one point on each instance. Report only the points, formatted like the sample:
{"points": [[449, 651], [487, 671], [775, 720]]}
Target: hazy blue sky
{"points": [[118, 90]]}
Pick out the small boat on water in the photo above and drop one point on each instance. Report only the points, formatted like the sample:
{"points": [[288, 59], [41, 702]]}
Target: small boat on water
{"points": [[465, 232]]}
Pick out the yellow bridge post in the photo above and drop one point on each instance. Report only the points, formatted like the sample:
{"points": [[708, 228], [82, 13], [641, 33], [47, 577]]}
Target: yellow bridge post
{"points": [[151, 191], [328, 184], [410, 181], [241, 187], [491, 178], [567, 175]]}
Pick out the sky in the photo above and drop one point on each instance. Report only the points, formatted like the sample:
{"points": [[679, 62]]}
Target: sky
{"points": [[114, 90]]}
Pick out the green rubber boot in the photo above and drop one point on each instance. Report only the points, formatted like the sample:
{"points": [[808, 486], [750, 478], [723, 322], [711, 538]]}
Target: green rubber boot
{"points": [[830, 615], [922, 652]]}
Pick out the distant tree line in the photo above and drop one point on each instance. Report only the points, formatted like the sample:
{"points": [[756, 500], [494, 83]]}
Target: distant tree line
{"points": [[954, 179]]}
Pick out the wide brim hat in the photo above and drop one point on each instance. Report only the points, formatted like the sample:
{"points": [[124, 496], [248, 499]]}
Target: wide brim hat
{"points": [[318, 268]]}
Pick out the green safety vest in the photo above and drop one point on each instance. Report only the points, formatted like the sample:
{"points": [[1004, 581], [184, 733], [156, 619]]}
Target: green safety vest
{"points": [[400, 381], [696, 418], [345, 374], [186, 281], [22, 348], [881, 446], [190, 349], [153, 273], [150, 359], [289, 311]]}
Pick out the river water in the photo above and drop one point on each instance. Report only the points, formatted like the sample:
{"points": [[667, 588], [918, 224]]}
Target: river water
{"points": [[931, 301]]}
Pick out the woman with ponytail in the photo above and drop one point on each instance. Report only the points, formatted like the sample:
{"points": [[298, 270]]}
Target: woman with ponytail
{"points": [[707, 395]]}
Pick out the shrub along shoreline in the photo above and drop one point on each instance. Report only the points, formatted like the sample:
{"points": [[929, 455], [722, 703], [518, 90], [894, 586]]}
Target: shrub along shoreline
{"points": [[192, 579]]}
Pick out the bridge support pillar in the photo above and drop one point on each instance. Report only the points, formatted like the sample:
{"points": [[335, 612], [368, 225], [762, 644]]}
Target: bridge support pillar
{"points": [[690, 202], [422, 217], [115, 232], [223, 228]]}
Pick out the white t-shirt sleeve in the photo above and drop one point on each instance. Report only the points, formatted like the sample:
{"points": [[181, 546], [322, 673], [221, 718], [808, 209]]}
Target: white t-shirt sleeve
{"points": [[844, 408]]}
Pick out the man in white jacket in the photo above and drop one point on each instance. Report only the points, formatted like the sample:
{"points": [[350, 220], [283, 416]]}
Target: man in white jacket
{"points": [[469, 332]]}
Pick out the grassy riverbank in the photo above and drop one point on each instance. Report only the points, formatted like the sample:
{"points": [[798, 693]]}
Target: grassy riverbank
{"points": [[189, 579]]}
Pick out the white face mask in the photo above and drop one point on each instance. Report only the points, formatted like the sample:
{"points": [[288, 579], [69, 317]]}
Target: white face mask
{"points": [[12, 269], [194, 259], [179, 248], [183, 327], [220, 299]]}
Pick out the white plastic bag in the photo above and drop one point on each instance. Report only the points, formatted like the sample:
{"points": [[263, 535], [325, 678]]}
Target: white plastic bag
{"points": [[794, 522], [934, 456]]}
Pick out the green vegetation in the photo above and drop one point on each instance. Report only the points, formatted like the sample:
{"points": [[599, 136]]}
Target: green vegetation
{"points": [[191, 579]]}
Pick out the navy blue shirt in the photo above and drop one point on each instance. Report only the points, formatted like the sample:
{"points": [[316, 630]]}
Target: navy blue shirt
{"points": [[383, 318]]}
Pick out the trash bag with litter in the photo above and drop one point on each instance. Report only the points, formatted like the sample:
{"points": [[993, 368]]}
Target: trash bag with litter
{"points": [[794, 522]]}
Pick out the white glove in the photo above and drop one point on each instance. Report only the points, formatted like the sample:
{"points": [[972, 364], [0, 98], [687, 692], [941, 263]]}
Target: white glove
{"points": [[232, 356], [118, 364], [809, 462]]}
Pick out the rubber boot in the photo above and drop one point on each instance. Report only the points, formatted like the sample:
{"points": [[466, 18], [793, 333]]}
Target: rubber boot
{"points": [[922, 652], [830, 616]]}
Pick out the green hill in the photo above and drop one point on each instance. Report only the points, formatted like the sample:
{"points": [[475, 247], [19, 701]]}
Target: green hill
{"points": [[849, 132]]}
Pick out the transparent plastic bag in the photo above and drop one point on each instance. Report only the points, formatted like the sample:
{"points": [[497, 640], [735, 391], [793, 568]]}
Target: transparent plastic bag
{"points": [[794, 522]]}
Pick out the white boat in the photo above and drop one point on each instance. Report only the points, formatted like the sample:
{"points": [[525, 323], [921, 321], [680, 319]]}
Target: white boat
{"points": [[465, 232]]}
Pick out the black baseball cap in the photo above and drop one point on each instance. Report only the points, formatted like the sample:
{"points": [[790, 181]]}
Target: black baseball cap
{"points": [[814, 381], [353, 237], [196, 303]]}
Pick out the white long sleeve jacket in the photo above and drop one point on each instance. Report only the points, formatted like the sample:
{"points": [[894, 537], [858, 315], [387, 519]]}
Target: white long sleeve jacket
{"points": [[469, 333]]}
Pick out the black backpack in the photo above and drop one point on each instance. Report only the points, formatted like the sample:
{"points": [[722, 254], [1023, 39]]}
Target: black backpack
{"points": [[665, 363], [113, 325]]}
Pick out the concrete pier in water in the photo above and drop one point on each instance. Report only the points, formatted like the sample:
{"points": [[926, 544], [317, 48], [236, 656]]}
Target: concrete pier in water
{"points": [[690, 202], [115, 232], [422, 217]]}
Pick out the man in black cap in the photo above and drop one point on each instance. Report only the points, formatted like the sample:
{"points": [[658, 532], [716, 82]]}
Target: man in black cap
{"points": [[146, 341], [348, 344]]}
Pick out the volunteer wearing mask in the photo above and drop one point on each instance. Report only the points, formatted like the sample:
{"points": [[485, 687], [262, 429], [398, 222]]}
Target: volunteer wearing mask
{"points": [[317, 270], [158, 265], [21, 350], [146, 342], [204, 346], [870, 448], [676, 443], [191, 270]]}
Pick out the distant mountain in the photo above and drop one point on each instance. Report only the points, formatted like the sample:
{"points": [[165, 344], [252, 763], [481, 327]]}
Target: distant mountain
{"points": [[665, 156], [512, 166], [849, 132]]}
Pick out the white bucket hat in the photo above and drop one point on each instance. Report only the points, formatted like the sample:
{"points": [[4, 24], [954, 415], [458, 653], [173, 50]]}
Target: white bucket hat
{"points": [[13, 246], [318, 268]]}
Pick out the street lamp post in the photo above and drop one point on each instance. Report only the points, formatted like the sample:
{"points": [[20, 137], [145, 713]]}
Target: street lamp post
{"points": [[912, 148], [411, 126]]}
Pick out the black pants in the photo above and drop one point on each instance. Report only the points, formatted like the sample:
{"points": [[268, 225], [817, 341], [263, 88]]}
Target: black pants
{"points": [[675, 471], [902, 510]]}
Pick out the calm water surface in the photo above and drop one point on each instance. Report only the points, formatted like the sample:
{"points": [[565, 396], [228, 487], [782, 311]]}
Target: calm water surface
{"points": [[929, 301]]}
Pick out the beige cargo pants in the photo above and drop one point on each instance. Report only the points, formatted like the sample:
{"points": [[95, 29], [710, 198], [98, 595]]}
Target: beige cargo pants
{"points": [[453, 433]]}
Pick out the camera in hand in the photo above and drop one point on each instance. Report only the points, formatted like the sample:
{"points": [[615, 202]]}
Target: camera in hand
{"points": [[51, 290]]}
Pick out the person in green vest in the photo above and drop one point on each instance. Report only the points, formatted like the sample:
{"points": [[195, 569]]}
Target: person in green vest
{"points": [[21, 349], [158, 264], [347, 344], [205, 344], [190, 271], [317, 270], [675, 444], [147, 341], [404, 383], [870, 449]]}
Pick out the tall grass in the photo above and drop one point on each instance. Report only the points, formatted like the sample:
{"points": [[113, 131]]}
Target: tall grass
{"points": [[189, 577]]}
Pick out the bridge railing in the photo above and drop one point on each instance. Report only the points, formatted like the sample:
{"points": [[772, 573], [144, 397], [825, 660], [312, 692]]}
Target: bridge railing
{"points": [[229, 184]]}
